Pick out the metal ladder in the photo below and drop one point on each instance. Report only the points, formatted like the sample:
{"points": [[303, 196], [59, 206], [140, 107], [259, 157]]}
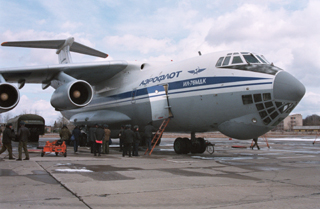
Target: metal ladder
{"points": [[158, 135]]}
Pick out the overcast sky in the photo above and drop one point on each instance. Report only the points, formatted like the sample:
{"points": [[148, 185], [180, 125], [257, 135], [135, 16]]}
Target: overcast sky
{"points": [[286, 32]]}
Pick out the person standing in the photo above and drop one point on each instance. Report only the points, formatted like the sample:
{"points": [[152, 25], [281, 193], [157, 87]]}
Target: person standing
{"points": [[105, 144], [255, 143], [148, 134], [136, 141], [76, 134], [91, 137], [65, 133], [128, 140], [8, 135], [121, 137], [23, 135], [99, 137]]}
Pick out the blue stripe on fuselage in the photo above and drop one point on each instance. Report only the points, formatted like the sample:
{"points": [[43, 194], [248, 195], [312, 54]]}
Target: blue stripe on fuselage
{"points": [[180, 85]]}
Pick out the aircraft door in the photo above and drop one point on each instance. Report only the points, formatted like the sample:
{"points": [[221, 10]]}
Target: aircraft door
{"points": [[133, 96], [158, 96]]}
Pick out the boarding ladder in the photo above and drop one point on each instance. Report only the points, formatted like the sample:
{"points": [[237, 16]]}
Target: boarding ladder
{"points": [[316, 138], [158, 135]]}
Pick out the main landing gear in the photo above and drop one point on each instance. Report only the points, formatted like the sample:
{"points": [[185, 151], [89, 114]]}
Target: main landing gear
{"points": [[185, 145]]}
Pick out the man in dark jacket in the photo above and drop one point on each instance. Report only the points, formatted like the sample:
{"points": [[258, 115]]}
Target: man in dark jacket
{"points": [[23, 135], [128, 140], [148, 134], [99, 137], [136, 141], [7, 136], [76, 134], [121, 137], [91, 137]]}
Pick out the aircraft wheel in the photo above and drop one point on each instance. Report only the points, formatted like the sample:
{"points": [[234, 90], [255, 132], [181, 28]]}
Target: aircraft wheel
{"points": [[57, 153], [202, 145], [195, 147], [65, 154], [42, 154], [179, 145], [187, 147]]}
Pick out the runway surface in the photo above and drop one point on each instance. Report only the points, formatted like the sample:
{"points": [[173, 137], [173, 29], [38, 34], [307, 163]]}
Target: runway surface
{"points": [[286, 175]]}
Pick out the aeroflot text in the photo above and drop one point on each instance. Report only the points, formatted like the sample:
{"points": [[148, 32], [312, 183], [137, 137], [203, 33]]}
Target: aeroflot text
{"points": [[161, 78]]}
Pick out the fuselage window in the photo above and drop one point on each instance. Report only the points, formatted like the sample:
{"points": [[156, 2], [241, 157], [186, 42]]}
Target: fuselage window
{"points": [[261, 60], [257, 97], [236, 60], [219, 61], [266, 96], [251, 59], [226, 60], [247, 99]]}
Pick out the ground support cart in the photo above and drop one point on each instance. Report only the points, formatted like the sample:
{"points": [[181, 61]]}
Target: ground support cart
{"points": [[56, 146]]}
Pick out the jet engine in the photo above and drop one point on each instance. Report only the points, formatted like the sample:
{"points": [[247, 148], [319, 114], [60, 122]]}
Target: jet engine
{"points": [[74, 94], [9, 97]]}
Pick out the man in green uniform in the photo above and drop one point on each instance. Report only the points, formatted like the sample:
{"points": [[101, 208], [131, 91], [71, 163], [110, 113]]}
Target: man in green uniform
{"points": [[65, 133], [23, 135], [8, 135]]}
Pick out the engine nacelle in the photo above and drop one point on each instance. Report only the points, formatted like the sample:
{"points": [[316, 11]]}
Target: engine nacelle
{"points": [[9, 97], [72, 95]]}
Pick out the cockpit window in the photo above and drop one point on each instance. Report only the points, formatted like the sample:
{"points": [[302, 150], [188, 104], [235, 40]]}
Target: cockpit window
{"points": [[236, 60], [247, 61], [261, 60], [251, 59], [226, 60], [265, 59], [219, 61]]}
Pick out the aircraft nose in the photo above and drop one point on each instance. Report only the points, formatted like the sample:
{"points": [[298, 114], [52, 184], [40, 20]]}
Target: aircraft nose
{"points": [[287, 87]]}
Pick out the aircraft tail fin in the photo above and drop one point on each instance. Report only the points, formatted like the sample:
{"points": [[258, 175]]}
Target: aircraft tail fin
{"points": [[63, 48]]}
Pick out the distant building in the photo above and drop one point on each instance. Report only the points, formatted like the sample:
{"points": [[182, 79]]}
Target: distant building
{"points": [[289, 122], [306, 128], [48, 129]]}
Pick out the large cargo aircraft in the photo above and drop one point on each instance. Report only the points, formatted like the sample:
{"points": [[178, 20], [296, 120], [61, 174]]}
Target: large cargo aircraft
{"points": [[238, 93]]}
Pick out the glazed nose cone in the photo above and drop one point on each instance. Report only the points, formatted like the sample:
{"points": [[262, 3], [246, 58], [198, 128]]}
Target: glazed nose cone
{"points": [[287, 87]]}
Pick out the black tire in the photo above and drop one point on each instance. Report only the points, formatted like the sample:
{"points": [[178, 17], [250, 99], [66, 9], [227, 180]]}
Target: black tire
{"points": [[57, 153], [42, 153], [202, 145], [65, 154], [179, 145], [195, 147], [187, 147]]}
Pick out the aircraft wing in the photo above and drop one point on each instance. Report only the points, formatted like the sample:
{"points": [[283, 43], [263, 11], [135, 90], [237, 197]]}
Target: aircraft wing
{"points": [[90, 72]]}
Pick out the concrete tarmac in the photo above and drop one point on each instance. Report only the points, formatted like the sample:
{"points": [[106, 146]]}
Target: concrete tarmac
{"points": [[286, 175]]}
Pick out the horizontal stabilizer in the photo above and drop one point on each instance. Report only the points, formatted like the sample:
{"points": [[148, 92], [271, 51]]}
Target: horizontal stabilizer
{"points": [[56, 44]]}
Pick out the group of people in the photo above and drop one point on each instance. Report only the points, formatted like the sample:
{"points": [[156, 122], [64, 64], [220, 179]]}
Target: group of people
{"points": [[98, 136], [8, 135], [130, 139]]}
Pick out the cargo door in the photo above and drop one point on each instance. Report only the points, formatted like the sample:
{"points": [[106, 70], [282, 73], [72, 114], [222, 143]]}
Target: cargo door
{"points": [[158, 96]]}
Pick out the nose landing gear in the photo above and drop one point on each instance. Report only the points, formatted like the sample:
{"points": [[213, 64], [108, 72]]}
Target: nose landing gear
{"points": [[185, 145]]}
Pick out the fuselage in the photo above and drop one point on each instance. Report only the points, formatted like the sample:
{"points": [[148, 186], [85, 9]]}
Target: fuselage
{"points": [[238, 93]]}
